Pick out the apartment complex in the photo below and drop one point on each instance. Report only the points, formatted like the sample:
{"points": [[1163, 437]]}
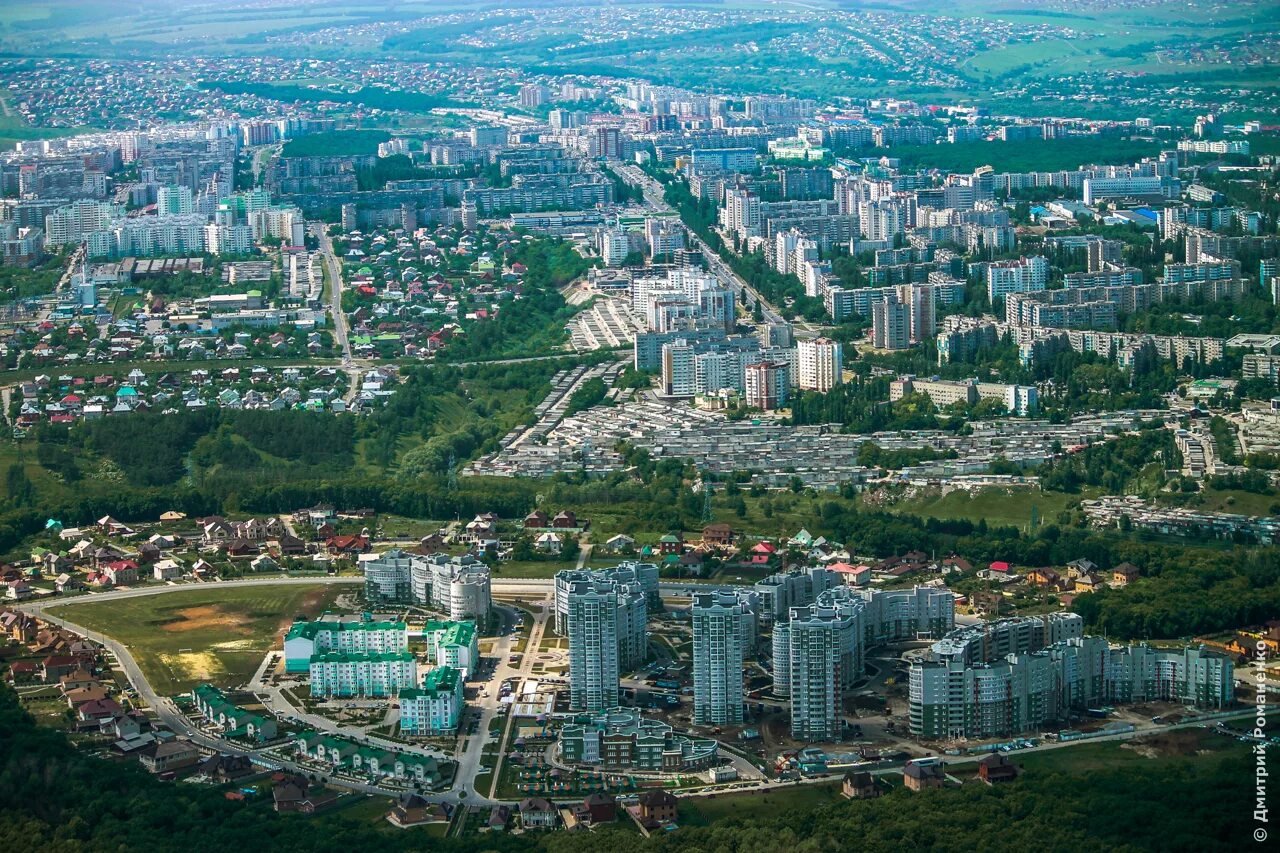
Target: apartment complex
{"points": [[619, 738], [458, 586], [1023, 692], [345, 635], [373, 674]]}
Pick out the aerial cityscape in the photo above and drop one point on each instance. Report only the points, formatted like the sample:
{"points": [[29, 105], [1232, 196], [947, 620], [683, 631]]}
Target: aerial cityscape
{"points": [[639, 426]]}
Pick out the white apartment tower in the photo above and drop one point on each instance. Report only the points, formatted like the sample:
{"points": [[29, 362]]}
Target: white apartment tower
{"points": [[720, 641], [819, 364]]}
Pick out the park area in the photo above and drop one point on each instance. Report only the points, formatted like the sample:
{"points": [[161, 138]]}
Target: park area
{"points": [[216, 634]]}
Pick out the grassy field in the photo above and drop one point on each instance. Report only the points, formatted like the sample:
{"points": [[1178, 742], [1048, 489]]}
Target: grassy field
{"points": [[999, 506], [1173, 748], [703, 811], [215, 634]]}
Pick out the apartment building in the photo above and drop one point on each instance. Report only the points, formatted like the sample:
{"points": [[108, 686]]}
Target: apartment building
{"points": [[433, 708], [348, 635], [606, 623], [620, 739], [452, 644], [1025, 275], [372, 674], [723, 634], [819, 364], [1024, 692]]}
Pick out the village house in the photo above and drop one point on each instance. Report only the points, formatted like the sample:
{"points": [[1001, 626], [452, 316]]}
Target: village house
{"points": [[918, 776], [996, 768], [859, 785], [656, 808], [537, 812]]}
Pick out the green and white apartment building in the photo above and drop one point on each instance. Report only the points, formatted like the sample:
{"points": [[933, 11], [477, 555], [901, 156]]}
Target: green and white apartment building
{"points": [[452, 644], [433, 708], [964, 693], [340, 675]]}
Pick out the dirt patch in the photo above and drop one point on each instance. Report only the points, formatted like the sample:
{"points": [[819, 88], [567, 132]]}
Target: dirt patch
{"points": [[201, 618], [1178, 742], [310, 606], [195, 666]]}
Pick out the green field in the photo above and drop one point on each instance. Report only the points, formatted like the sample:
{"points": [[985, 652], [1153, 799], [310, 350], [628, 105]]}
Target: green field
{"points": [[998, 506], [216, 634], [703, 811]]}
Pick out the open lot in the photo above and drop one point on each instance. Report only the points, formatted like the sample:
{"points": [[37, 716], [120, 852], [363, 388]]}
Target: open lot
{"points": [[215, 634]]}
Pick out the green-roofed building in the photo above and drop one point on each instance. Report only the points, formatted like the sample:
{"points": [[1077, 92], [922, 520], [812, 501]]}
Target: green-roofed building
{"points": [[344, 674], [358, 635], [436, 706], [452, 644]]}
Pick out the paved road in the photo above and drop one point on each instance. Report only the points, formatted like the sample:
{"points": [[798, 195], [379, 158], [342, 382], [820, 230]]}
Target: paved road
{"points": [[335, 290]]}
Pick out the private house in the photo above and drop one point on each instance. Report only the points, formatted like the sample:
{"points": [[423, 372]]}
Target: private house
{"points": [[1044, 577], [536, 520], [566, 520], [1125, 574], [549, 543], [54, 667], [656, 808], [719, 535], [415, 810], [859, 785], [76, 679], [996, 768], [122, 572], [1088, 583], [537, 812], [620, 544], [672, 543], [167, 570], [68, 583], [600, 807], [169, 756], [918, 776], [18, 626], [499, 817], [98, 709], [226, 768]]}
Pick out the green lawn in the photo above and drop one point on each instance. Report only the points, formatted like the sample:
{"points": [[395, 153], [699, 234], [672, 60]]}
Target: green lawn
{"points": [[216, 634]]}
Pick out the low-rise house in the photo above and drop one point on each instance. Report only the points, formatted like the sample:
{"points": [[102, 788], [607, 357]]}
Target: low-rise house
{"points": [[167, 570], [537, 812], [98, 709], [226, 768], [1125, 574], [600, 807], [859, 785], [499, 817], [717, 534], [996, 768], [918, 776], [170, 756], [416, 810], [657, 807]]}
